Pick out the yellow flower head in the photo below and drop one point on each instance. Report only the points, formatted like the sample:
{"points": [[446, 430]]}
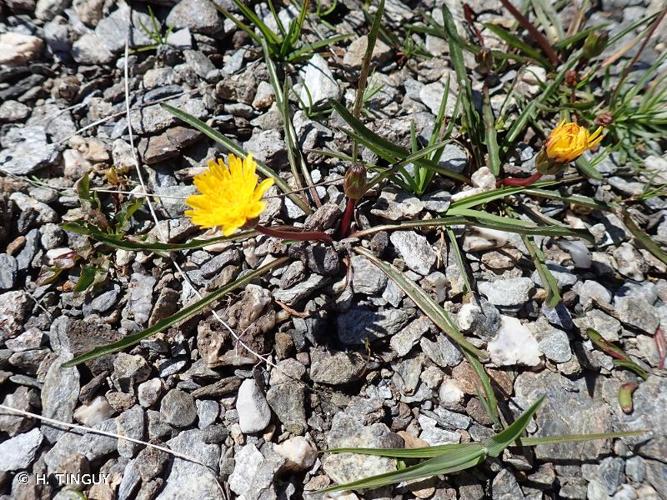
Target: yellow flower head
{"points": [[229, 196], [568, 141]]}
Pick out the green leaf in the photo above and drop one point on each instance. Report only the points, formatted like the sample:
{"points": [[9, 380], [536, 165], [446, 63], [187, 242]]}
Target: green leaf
{"points": [[485, 219], [516, 43], [136, 246], [309, 48], [643, 239], [587, 169], [429, 306], [575, 438], [268, 34], [86, 278], [491, 135], [548, 280], [183, 314], [238, 151], [471, 117], [495, 445], [387, 150], [452, 461]]}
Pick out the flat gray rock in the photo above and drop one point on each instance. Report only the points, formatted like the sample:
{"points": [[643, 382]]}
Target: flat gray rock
{"points": [[18, 453], [60, 394], [415, 250], [26, 151], [507, 292]]}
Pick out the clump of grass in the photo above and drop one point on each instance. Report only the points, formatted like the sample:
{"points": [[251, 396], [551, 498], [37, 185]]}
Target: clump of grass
{"points": [[286, 44]]}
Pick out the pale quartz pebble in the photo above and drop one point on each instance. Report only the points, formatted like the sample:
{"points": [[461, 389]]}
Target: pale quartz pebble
{"points": [[94, 412], [299, 452], [515, 344], [479, 239], [482, 180], [450, 394]]}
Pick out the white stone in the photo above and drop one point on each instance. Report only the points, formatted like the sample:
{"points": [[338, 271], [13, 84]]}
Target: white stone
{"points": [[17, 48], [253, 409], [94, 412], [514, 344], [246, 463], [319, 84], [450, 394], [299, 452]]}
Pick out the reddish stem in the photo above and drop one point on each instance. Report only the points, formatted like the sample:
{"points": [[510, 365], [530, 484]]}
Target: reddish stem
{"points": [[538, 37], [519, 181], [292, 234], [346, 224], [661, 346]]}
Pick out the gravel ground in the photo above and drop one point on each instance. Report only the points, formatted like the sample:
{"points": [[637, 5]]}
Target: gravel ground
{"points": [[354, 362]]}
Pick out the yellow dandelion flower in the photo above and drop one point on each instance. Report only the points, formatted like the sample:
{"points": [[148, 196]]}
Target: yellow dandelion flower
{"points": [[229, 196], [568, 141]]}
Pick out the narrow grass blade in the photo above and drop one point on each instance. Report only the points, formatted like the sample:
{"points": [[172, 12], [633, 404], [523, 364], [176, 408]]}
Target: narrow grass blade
{"points": [[453, 461], [621, 359], [546, 9], [517, 127], [516, 43], [239, 24], [490, 135], [429, 306], [384, 148], [460, 262], [450, 458], [499, 442], [137, 246], [586, 168], [487, 396], [516, 225], [238, 151], [548, 280], [538, 37], [643, 239], [472, 119], [576, 438], [489, 221], [574, 199], [268, 34], [182, 315], [409, 453], [309, 48]]}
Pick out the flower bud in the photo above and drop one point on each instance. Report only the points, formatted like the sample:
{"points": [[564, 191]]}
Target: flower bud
{"points": [[546, 165], [571, 78], [484, 59], [604, 119], [354, 183], [594, 44]]}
